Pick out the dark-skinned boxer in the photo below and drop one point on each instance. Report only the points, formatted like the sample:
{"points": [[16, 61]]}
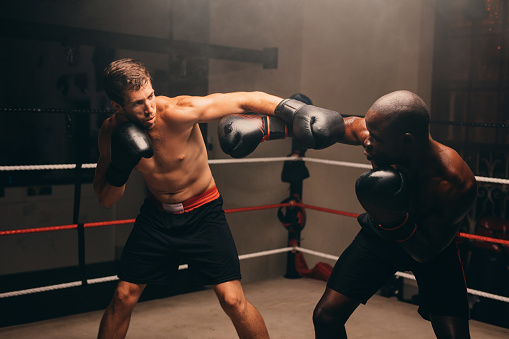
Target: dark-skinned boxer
{"points": [[182, 219], [415, 198]]}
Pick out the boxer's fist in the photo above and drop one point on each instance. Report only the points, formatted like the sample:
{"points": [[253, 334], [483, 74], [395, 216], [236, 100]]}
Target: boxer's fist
{"points": [[383, 192], [240, 134], [313, 127], [129, 143]]}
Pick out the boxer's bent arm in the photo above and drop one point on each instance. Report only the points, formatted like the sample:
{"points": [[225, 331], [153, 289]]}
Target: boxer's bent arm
{"points": [[431, 236], [436, 230], [106, 193]]}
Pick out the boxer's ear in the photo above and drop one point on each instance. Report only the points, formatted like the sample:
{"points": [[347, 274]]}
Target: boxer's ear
{"points": [[408, 139], [116, 106]]}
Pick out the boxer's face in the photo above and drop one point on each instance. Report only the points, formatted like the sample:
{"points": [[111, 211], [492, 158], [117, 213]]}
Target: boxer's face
{"points": [[383, 146], [140, 106]]}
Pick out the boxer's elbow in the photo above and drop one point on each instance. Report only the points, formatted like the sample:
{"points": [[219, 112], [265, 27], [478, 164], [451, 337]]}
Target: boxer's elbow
{"points": [[105, 202], [108, 197]]}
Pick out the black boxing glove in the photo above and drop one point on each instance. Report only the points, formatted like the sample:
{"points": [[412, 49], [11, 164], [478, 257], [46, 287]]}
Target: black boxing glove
{"points": [[129, 143], [240, 134], [383, 192], [313, 127]]}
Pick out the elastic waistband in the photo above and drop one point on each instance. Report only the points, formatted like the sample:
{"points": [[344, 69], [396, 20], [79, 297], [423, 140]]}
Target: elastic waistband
{"points": [[188, 205]]}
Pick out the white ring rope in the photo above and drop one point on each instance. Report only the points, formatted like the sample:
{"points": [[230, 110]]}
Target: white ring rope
{"points": [[232, 161], [44, 167], [251, 160], [409, 276], [114, 277], [241, 257]]}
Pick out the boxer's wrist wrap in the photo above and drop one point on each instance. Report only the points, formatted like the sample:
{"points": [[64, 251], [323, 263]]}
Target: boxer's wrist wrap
{"points": [[400, 232], [275, 128], [287, 109], [116, 177]]}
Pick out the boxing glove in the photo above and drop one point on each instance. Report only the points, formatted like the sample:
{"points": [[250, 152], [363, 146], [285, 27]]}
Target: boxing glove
{"points": [[129, 143], [313, 127], [240, 134], [383, 192]]}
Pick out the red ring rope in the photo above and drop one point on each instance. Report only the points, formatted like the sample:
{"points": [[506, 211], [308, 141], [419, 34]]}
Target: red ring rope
{"points": [[39, 229], [486, 239], [107, 223], [232, 210]]}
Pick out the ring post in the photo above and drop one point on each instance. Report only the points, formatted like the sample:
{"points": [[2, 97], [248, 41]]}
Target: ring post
{"points": [[294, 172], [81, 253], [77, 197]]}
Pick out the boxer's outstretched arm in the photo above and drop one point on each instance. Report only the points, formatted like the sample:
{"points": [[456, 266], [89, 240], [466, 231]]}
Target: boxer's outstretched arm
{"points": [[240, 134], [215, 106], [312, 126], [355, 131]]}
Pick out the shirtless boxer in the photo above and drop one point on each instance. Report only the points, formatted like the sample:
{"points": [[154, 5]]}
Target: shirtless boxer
{"points": [[182, 219], [416, 196]]}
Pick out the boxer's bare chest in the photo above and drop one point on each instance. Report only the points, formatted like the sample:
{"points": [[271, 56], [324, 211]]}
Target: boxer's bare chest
{"points": [[425, 195], [173, 149]]}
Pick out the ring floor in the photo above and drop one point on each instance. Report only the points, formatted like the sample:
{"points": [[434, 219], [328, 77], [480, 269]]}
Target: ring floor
{"points": [[286, 305]]}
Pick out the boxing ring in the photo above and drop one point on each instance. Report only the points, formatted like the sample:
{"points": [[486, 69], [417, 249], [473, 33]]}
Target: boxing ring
{"points": [[292, 248]]}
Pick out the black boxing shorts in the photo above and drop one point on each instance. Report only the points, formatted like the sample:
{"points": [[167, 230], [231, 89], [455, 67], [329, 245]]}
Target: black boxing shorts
{"points": [[196, 234], [370, 261]]}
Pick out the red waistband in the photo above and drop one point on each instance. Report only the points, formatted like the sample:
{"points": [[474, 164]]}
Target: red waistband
{"points": [[188, 205]]}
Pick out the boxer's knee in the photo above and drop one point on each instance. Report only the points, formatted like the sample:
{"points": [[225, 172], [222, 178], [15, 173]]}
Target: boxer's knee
{"points": [[333, 309], [231, 297], [324, 318], [126, 295], [233, 303]]}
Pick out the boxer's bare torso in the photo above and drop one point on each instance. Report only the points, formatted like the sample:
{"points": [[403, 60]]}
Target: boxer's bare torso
{"points": [[179, 169], [442, 185]]}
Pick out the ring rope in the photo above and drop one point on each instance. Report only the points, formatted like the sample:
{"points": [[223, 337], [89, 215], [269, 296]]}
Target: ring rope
{"points": [[230, 161], [55, 110], [114, 277], [408, 276], [44, 167], [233, 210], [486, 239], [469, 124], [241, 257], [66, 227], [109, 111]]}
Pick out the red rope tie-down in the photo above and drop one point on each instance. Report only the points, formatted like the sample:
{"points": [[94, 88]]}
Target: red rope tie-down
{"points": [[231, 210]]}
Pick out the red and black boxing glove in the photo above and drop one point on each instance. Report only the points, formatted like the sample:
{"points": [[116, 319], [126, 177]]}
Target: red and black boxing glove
{"points": [[240, 134], [383, 192], [129, 143], [313, 127]]}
